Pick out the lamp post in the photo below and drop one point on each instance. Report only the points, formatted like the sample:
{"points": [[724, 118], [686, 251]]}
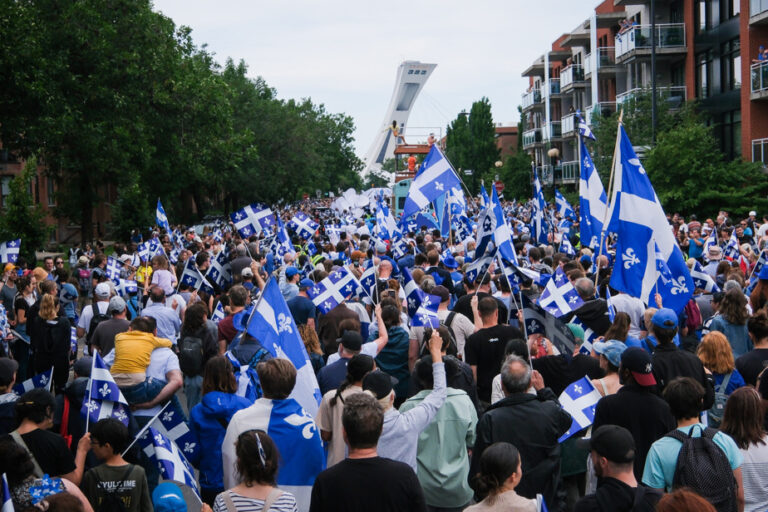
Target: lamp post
{"points": [[653, 72]]}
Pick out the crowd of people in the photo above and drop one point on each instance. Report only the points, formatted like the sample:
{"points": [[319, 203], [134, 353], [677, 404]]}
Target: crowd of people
{"points": [[466, 415]]}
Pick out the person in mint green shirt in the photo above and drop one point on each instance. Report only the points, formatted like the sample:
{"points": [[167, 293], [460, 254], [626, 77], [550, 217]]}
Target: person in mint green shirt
{"points": [[685, 397], [443, 463]]}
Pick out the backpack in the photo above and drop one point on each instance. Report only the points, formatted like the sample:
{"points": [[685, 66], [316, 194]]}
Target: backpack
{"points": [[98, 317], [111, 501], [191, 355], [84, 280], [715, 414], [704, 468], [424, 350], [693, 316]]}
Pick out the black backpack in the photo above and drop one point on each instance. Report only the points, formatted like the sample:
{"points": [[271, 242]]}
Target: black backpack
{"points": [[703, 467], [191, 355], [97, 318]]}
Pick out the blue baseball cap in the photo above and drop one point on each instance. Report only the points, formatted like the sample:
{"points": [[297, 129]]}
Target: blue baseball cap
{"points": [[611, 349], [763, 272], [306, 283], [167, 497], [665, 318], [291, 271]]}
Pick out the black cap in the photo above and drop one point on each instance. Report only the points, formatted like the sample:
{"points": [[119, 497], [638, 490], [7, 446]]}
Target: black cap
{"points": [[639, 362], [379, 383], [7, 368], [613, 442], [351, 340]]}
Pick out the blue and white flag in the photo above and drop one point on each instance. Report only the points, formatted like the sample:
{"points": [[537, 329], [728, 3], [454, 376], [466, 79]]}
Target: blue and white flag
{"points": [[593, 203], [540, 321], [411, 291], [435, 177], [760, 262], [303, 226], [114, 268], [149, 249], [194, 279], [7, 499], [166, 455], [493, 229], [539, 211], [418, 221], [484, 200], [4, 325], [103, 398], [218, 313], [125, 287], [73, 340], [400, 248], [311, 248], [220, 270], [559, 296], [638, 219], [584, 129], [41, 380], [479, 266], [334, 289], [709, 242], [589, 336], [732, 249], [252, 219], [9, 251], [579, 400], [563, 206], [272, 324], [386, 227], [609, 303], [281, 244], [368, 282], [173, 425], [161, 219], [457, 204], [704, 281], [566, 247], [426, 313]]}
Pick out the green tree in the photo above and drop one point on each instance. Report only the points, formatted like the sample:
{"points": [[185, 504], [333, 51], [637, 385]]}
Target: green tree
{"points": [[22, 218], [471, 143]]}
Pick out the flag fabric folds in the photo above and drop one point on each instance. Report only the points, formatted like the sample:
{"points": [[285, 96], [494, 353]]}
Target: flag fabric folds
{"points": [[579, 400], [272, 324], [9, 251], [333, 290], [164, 452], [584, 129], [435, 177], [559, 296], [426, 314], [709, 242], [220, 271], [303, 225], [539, 321], [103, 398], [114, 268], [593, 202], [539, 210], [218, 313], [563, 206], [126, 287], [703, 280], [172, 425], [493, 229], [194, 279], [252, 219], [161, 219], [41, 380], [638, 219]]}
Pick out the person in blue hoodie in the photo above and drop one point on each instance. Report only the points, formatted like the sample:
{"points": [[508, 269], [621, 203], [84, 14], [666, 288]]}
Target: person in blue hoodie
{"points": [[208, 422]]}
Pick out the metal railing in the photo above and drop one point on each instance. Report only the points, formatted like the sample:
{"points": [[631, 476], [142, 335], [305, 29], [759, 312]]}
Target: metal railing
{"points": [[760, 151], [568, 124], [757, 7], [546, 174], [531, 137], [603, 108], [759, 76], [668, 35], [553, 131], [605, 56], [675, 94], [571, 74], [570, 172], [552, 86], [531, 98]]}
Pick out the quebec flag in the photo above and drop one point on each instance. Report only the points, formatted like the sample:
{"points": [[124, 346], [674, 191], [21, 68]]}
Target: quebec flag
{"points": [[435, 177], [9, 251], [103, 398], [492, 227], [334, 289], [539, 209], [167, 456], [41, 380], [272, 324], [559, 296], [161, 219], [173, 425], [579, 400], [593, 202], [638, 219]]}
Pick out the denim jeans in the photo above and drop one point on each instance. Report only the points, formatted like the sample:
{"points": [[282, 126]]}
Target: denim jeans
{"points": [[144, 391], [193, 387]]}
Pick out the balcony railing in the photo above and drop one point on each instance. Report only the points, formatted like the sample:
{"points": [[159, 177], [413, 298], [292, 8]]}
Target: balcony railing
{"points": [[570, 172], [760, 151], [603, 109], [605, 57], [546, 174], [668, 35], [531, 137], [568, 124], [675, 94], [553, 131], [552, 86], [571, 74], [759, 74], [531, 98], [757, 7]]}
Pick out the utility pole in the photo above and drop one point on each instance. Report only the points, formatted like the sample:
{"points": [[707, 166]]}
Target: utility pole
{"points": [[653, 72]]}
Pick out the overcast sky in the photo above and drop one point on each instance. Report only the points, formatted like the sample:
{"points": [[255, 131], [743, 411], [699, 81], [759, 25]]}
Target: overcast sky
{"points": [[345, 53]]}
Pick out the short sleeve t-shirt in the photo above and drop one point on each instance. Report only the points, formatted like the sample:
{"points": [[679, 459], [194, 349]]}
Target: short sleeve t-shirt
{"points": [[50, 450], [86, 315], [662, 458], [751, 364], [128, 482], [164, 279], [485, 349], [302, 309]]}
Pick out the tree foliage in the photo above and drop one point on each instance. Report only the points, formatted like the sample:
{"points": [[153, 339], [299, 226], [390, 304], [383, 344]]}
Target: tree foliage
{"points": [[22, 218], [471, 143], [111, 94]]}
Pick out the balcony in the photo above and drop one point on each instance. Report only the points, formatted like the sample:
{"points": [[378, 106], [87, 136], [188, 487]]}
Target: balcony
{"points": [[568, 125], [532, 98], [553, 131], [532, 137], [603, 109], [675, 95], [636, 42], [552, 87], [571, 76], [604, 61], [758, 12], [760, 151], [759, 80], [570, 172], [546, 174]]}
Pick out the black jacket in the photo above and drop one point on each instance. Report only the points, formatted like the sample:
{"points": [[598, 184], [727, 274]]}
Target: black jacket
{"points": [[642, 412], [533, 426], [616, 496], [670, 362], [593, 314]]}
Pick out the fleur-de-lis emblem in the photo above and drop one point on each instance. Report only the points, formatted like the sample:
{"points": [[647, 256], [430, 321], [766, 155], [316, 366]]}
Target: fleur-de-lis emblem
{"points": [[327, 305], [534, 325], [189, 447], [120, 415], [298, 420], [629, 258], [578, 389], [168, 416], [284, 324], [44, 380], [159, 439], [92, 406], [426, 302], [648, 368], [104, 390], [636, 163], [439, 185], [678, 286]]}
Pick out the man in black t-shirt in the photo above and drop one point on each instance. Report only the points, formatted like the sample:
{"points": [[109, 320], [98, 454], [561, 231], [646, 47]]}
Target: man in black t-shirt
{"points": [[752, 363], [485, 348], [365, 481], [464, 304]]}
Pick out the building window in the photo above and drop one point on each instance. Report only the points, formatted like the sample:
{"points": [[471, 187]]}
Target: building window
{"points": [[730, 61], [728, 130], [729, 9], [50, 191], [703, 15], [703, 75], [5, 189]]}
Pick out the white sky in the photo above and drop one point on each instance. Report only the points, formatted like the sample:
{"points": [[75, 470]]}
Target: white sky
{"points": [[345, 54]]}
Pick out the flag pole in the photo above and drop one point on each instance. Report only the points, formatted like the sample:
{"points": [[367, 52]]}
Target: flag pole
{"points": [[145, 427], [88, 390], [609, 193]]}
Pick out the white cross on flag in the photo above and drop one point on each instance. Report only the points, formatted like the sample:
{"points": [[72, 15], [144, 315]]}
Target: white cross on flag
{"points": [[579, 400], [9, 251], [334, 289], [252, 218], [560, 297], [303, 225]]}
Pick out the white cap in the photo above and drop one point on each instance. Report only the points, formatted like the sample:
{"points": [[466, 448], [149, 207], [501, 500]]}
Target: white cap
{"points": [[753, 213], [102, 290]]}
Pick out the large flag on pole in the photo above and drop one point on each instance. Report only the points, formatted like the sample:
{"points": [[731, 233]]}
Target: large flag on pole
{"points": [[539, 210], [252, 218], [435, 177], [563, 206], [493, 228], [333, 290], [161, 219], [638, 219], [9, 251], [592, 202]]}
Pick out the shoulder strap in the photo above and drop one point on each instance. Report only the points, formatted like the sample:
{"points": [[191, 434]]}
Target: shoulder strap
{"points": [[676, 434], [724, 385], [227, 496], [449, 319], [64, 429], [273, 496], [38, 472], [602, 384], [257, 357]]}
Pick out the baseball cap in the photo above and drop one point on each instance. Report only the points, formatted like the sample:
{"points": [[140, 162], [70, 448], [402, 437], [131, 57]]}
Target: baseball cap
{"points": [[763, 272], [306, 283], [577, 331], [752, 213], [611, 349], [102, 290], [167, 497], [380, 247], [126, 258], [351, 340], [613, 442], [665, 318], [7, 368], [82, 260], [379, 383], [291, 271], [638, 361], [82, 366], [116, 304], [442, 292], [9, 267], [247, 272]]}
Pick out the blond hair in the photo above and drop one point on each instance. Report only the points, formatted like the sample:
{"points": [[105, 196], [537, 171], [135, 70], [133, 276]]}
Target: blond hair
{"points": [[48, 307]]}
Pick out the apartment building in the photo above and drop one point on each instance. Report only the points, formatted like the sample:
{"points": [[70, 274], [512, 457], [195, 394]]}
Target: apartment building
{"points": [[606, 60]]}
